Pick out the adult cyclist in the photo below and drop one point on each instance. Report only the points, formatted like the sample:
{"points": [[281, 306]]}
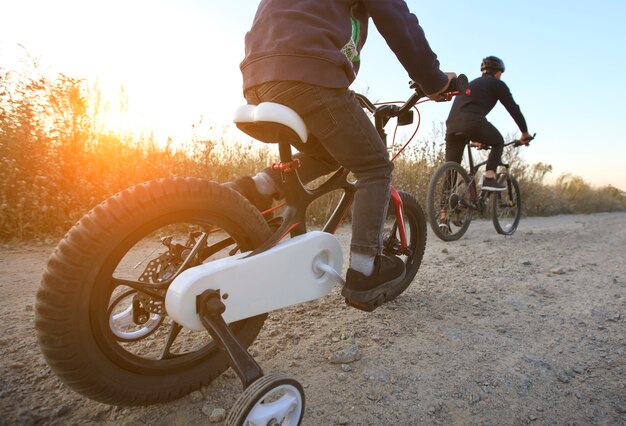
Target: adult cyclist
{"points": [[467, 118]]}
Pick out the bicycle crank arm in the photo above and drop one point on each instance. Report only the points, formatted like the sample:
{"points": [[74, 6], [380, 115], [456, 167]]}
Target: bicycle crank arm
{"points": [[210, 308], [295, 271]]}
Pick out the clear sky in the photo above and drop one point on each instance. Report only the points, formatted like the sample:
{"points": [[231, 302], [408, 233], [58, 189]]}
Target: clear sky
{"points": [[179, 61]]}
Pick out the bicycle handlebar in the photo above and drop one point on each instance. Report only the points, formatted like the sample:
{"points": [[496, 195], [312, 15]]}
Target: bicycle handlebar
{"points": [[404, 113], [518, 142], [457, 86], [515, 143]]}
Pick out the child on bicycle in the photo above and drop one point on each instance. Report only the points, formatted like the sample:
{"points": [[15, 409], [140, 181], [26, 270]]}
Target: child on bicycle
{"points": [[467, 119], [305, 54]]}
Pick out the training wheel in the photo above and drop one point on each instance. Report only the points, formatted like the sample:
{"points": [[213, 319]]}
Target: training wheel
{"points": [[274, 399]]}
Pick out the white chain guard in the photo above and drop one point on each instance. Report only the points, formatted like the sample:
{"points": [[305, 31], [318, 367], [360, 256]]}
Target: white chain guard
{"points": [[283, 276]]}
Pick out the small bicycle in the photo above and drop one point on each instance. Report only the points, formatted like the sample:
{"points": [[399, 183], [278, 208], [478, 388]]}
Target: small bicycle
{"points": [[129, 294], [454, 197]]}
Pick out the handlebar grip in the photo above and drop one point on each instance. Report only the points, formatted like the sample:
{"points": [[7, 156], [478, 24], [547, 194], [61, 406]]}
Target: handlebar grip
{"points": [[518, 142], [458, 84]]}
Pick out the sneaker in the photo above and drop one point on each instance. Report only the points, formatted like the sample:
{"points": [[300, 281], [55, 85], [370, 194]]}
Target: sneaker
{"points": [[444, 222], [246, 187], [445, 227], [491, 184], [369, 292]]}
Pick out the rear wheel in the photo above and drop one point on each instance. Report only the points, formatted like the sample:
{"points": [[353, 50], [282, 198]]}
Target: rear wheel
{"points": [[101, 320], [507, 207], [449, 201], [414, 224]]}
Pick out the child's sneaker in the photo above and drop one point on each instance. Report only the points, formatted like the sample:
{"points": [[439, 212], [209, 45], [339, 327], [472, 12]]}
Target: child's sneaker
{"points": [[368, 292]]}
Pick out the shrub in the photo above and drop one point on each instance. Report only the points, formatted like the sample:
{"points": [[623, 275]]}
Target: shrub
{"points": [[57, 162]]}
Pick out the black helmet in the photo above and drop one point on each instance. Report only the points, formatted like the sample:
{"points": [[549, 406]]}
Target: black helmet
{"points": [[491, 64]]}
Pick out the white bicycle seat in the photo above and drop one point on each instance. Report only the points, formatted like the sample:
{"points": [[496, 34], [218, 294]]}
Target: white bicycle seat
{"points": [[271, 122]]}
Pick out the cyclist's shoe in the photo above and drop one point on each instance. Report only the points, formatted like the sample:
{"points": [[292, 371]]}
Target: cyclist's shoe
{"points": [[491, 184], [369, 292], [246, 187], [445, 227]]}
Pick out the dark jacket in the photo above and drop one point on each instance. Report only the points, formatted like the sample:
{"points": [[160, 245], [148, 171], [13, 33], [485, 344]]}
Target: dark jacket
{"points": [[319, 42], [486, 91]]}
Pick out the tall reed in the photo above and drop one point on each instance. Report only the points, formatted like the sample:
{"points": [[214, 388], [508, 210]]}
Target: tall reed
{"points": [[58, 161]]}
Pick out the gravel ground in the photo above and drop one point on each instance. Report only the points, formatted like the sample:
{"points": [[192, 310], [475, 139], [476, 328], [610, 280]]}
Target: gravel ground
{"points": [[528, 329]]}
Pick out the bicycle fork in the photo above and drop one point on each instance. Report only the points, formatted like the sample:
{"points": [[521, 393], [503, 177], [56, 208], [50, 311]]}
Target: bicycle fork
{"points": [[399, 208]]}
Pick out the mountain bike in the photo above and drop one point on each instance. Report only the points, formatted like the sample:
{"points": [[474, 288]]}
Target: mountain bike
{"points": [[160, 288], [454, 197]]}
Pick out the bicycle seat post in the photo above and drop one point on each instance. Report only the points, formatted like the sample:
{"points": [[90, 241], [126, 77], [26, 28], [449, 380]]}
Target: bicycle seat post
{"points": [[296, 196]]}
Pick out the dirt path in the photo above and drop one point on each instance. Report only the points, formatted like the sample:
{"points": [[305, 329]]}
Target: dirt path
{"points": [[494, 331]]}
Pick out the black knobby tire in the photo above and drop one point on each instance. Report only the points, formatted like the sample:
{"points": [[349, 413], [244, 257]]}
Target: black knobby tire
{"points": [[450, 188], [415, 229], [506, 207], [75, 320], [262, 388]]}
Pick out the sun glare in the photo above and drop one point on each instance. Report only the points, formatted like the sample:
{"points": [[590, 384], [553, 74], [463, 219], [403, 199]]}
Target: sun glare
{"points": [[158, 69]]}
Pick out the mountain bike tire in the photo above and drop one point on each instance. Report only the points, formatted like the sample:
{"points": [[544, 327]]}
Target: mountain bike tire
{"points": [[449, 188], [506, 207], [110, 342], [415, 228]]}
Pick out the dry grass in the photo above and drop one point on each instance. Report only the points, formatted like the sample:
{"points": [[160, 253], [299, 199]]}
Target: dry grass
{"points": [[57, 164]]}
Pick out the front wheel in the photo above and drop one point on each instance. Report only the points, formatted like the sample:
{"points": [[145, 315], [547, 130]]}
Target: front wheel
{"points": [[450, 201], [507, 207], [414, 224], [101, 319]]}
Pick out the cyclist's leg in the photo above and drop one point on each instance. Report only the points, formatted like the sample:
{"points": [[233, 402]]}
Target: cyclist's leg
{"points": [[315, 162], [268, 182], [486, 133], [266, 186], [494, 139], [455, 144], [347, 133], [335, 118]]}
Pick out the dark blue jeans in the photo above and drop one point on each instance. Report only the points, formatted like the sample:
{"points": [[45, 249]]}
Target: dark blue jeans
{"points": [[340, 133]]}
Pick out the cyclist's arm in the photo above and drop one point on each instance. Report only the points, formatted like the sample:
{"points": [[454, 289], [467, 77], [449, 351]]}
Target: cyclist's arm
{"points": [[506, 99], [404, 35]]}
